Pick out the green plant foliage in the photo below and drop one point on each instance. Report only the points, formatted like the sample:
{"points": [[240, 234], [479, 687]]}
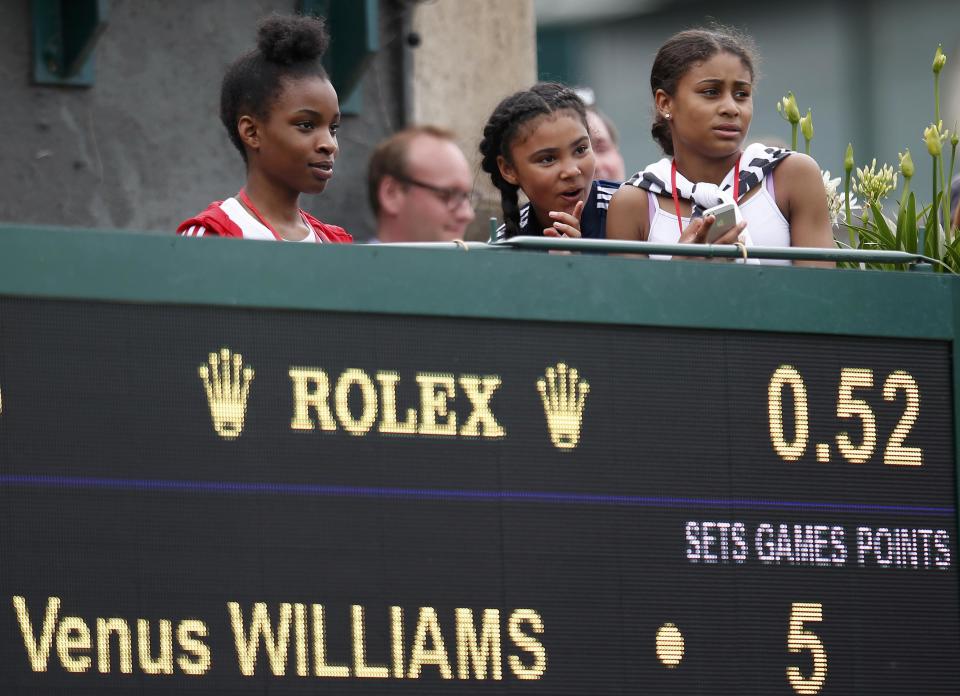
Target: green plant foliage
{"points": [[924, 229]]}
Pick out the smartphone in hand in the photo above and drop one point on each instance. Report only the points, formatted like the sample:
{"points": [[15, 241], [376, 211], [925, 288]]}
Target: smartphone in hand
{"points": [[726, 218]]}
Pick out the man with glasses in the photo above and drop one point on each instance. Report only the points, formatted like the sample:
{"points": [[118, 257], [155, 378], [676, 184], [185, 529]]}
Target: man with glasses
{"points": [[419, 185]]}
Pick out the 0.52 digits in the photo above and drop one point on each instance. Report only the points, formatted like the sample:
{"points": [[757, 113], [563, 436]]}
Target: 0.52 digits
{"points": [[787, 383]]}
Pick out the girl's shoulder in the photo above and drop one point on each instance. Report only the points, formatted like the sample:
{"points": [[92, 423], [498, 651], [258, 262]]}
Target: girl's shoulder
{"points": [[798, 164], [629, 190], [795, 174], [228, 218], [628, 216], [332, 233], [213, 221], [526, 226]]}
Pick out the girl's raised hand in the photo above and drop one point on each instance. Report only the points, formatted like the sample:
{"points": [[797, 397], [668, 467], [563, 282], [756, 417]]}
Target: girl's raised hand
{"points": [[565, 224]]}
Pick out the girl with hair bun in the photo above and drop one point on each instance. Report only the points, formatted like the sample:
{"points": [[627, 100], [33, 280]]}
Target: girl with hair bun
{"points": [[537, 141], [282, 114], [702, 84]]}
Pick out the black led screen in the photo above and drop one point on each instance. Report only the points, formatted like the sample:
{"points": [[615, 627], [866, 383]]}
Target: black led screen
{"points": [[226, 501]]}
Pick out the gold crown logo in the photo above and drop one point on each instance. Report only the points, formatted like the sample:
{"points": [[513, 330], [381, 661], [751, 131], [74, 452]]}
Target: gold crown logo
{"points": [[563, 394], [227, 384]]}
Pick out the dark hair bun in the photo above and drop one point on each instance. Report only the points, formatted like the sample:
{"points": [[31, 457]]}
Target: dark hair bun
{"points": [[289, 40]]}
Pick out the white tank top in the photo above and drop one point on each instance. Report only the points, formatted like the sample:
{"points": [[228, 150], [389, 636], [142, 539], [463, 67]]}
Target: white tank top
{"points": [[766, 223]]}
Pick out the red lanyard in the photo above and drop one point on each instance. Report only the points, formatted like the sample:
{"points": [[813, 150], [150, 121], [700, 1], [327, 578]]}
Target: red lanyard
{"points": [[676, 196], [256, 213]]}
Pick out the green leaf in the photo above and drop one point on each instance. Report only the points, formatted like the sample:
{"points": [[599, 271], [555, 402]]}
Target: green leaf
{"points": [[909, 232], [951, 254], [884, 235], [901, 211], [930, 232], [901, 216], [874, 239], [858, 234]]}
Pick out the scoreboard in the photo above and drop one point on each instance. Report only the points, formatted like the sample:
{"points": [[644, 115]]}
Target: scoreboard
{"points": [[244, 468]]}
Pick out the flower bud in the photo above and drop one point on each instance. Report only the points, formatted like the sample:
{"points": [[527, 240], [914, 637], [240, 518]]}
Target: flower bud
{"points": [[790, 109], [848, 159], [954, 139], [906, 164], [939, 60], [932, 138], [806, 125]]}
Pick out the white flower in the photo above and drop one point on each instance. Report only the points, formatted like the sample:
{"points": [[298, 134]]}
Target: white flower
{"points": [[830, 185], [874, 184], [835, 201]]}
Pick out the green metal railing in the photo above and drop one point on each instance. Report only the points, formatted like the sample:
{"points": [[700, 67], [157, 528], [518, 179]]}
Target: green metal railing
{"points": [[725, 251]]}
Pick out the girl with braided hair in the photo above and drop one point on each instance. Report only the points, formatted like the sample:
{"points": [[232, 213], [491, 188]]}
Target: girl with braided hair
{"points": [[282, 114], [702, 83], [537, 141]]}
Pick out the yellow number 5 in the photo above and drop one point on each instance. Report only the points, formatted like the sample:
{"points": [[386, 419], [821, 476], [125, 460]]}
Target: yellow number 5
{"points": [[848, 407], [799, 639]]}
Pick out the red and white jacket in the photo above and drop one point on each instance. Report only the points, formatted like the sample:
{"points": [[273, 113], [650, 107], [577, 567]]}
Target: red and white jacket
{"points": [[230, 219]]}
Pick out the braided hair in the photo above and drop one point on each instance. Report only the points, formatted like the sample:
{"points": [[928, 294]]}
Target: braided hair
{"points": [[679, 53], [505, 124], [287, 48]]}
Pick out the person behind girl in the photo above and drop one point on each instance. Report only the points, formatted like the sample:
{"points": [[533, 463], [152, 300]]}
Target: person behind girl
{"points": [[537, 141], [605, 140], [282, 114], [702, 84]]}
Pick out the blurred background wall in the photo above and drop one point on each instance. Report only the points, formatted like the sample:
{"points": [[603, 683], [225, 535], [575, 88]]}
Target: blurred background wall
{"points": [[142, 147]]}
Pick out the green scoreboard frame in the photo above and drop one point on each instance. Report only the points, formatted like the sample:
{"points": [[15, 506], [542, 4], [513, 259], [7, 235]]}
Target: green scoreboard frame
{"points": [[600, 298]]}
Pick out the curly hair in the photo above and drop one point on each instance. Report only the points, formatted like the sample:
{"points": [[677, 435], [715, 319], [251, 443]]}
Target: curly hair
{"points": [[505, 124], [680, 52], [287, 48]]}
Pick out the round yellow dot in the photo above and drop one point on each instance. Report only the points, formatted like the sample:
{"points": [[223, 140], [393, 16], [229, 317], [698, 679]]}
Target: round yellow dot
{"points": [[669, 645]]}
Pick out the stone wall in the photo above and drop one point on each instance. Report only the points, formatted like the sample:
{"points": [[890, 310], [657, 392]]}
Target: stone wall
{"points": [[472, 54]]}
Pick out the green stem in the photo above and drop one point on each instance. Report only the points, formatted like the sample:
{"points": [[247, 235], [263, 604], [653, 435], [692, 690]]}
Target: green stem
{"points": [[846, 200], [948, 230], [936, 121], [936, 98], [793, 137], [906, 192], [943, 187], [934, 212], [806, 146]]}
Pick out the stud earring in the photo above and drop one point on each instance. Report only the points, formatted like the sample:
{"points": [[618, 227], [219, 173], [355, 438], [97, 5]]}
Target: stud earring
{"points": [[667, 116]]}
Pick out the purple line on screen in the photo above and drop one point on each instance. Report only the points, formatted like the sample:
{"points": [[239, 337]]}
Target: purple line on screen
{"points": [[307, 489]]}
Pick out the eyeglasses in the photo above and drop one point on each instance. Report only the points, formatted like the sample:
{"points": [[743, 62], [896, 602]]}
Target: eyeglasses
{"points": [[450, 197]]}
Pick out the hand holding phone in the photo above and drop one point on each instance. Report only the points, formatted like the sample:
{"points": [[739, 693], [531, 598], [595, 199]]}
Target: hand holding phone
{"points": [[726, 218]]}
